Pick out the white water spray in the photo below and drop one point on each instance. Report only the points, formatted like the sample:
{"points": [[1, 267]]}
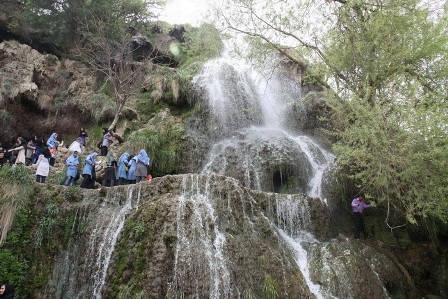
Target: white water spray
{"points": [[104, 237], [200, 263]]}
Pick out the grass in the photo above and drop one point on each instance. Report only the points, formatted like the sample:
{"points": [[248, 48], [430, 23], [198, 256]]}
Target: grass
{"points": [[15, 192]]}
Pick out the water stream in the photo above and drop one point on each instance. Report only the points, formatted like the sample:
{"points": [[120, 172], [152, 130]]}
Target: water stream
{"points": [[200, 264], [81, 270], [254, 145]]}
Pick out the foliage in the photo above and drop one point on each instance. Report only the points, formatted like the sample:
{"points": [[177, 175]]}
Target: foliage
{"points": [[56, 178], [384, 64], [130, 292], [124, 71], [46, 224], [98, 104], [58, 23], [406, 169], [13, 268], [163, 147], [269, 287], [248, 294], [203, 43], [15, 193], [397, 148]]}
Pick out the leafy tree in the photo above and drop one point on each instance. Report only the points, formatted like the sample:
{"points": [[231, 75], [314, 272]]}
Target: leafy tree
{"points": [[384, 64], [58, 22]]}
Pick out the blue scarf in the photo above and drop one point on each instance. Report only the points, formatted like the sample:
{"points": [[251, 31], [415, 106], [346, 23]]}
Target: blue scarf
{"points": [[91, 158], [123, 157], [143, 157], [51, 142]]}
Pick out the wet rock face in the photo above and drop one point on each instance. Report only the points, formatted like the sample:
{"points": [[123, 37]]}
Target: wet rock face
{"points": [[262, 161], [199, 236], [209, 241], [355, 270]]}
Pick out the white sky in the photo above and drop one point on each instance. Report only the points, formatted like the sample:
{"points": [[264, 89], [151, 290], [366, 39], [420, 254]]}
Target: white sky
{"points": [[195, 12], [185, 11]]}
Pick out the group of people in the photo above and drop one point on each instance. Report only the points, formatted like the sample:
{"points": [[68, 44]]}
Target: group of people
{"points": [[34, 151], [42, 155], [125, 171], [27, 151]]}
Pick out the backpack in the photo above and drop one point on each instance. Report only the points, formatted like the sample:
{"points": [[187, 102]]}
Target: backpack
{"points": [[100, 144]]}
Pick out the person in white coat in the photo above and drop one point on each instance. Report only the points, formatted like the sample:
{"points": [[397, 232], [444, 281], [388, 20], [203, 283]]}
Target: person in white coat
{"points": [[43, 166], [76, 146]]}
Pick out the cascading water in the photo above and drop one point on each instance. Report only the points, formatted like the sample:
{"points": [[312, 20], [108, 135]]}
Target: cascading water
{"points": [[252, 144], [81, 270], [255, 147], [103, 239], [200, 265]]}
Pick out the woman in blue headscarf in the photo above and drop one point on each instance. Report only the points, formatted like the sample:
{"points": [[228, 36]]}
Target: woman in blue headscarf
{"points": [[141, 171], [72, 163], [121, 172], [88, 172], [52, 141], [53, 144], [131, 172]]}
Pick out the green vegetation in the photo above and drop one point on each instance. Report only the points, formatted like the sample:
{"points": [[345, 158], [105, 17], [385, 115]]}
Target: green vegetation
{"points": [[163, 145], [269, 287], [394, 143], [248, 294], [13, 267], [46, 224], [130, 292], [59, 24], [203, 43], [15, 193], [384, 66]]}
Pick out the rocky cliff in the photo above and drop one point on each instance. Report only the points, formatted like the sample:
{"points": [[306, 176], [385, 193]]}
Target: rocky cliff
{"points": [[192, 236]]}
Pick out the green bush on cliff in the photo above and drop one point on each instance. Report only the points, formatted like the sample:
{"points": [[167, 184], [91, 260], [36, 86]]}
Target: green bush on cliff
{"points": [[163, 146], [15, 193], [203, 43], [13, 268]]}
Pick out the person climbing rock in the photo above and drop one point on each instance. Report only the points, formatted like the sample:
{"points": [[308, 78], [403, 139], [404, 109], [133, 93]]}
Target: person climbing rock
{"points": [[358, 206]]}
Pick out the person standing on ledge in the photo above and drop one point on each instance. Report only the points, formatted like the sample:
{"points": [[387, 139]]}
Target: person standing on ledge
{"points": [[358, 206]]}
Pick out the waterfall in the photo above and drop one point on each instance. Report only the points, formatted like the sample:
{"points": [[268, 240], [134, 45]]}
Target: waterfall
{"points": [[103, 238], [246, 110], [80, 271], [254, 146], [200, 263]]}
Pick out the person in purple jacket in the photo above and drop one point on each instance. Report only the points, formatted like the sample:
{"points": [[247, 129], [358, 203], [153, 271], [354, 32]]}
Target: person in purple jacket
{"points": [[358, 206]]}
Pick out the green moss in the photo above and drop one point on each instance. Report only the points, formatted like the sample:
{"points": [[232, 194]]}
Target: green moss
{"points": [[269, 287], [130, 292], [248, 294]]}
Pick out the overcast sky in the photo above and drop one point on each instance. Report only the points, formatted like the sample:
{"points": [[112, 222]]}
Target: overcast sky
{"points": [[185, 11]]}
